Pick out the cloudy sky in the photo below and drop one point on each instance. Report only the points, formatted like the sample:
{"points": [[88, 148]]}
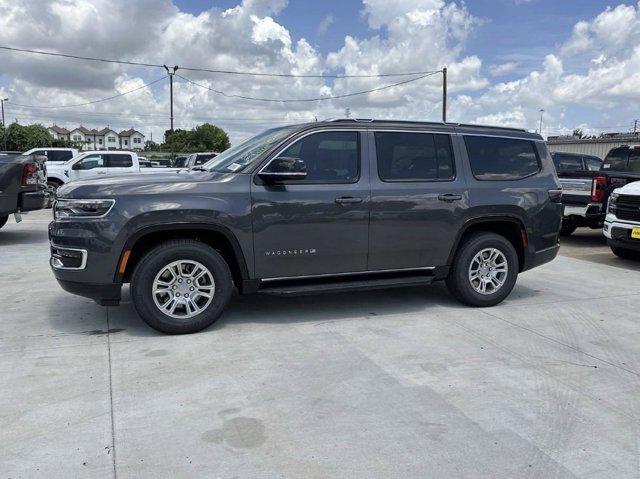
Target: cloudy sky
{"points": [[507, 60]]}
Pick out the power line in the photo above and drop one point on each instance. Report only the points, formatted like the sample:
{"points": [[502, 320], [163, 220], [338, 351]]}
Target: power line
{"points": [[294, 100], [211, 70], [94, 101]]}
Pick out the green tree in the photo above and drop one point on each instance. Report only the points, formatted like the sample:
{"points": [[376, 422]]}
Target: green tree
{"points": [[22, 138], [205, 137]]}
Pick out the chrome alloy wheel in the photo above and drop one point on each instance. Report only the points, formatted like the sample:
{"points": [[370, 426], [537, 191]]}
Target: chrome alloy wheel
{"points": [[183, 289], [488, 271]]}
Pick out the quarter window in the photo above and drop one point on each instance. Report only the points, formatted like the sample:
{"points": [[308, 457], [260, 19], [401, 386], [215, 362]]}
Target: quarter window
{"points": [[592, 163], [330, 157], [496, 159], [414, 156]]}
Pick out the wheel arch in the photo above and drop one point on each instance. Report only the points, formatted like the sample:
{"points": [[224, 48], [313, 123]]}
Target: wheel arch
{"points": [[511, 227], [216, 236]]}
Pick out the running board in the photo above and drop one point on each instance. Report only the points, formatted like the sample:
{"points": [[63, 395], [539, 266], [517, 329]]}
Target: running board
{"points": [[329, 286]]}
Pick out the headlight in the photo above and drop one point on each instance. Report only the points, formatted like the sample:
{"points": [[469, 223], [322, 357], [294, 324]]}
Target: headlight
{"points": [[611, 204], [64, 208]]}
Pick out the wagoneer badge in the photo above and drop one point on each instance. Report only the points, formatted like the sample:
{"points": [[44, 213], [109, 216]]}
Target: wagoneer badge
{"points": [[291, 252]]}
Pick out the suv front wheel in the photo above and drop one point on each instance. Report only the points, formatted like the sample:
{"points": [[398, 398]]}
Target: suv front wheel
{"points": [[484, 270], [181, 286]]}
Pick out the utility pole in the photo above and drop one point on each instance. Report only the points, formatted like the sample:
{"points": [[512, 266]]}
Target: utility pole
{"points": [[444, 95], [4, 126], [171, 73], [541, 113], [635, 126]]}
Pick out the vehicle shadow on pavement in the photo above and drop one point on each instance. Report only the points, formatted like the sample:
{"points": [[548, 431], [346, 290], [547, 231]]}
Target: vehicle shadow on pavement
{"points": [[266, 309], [22, 237]]}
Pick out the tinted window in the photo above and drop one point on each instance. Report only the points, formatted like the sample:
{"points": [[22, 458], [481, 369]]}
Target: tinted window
{"points": [[119, 161], [330, 157], [414, 156], [181, 162], [566, 162], [501, 158], [55, 155], [592, 163], [634, 161], [616, 159]]}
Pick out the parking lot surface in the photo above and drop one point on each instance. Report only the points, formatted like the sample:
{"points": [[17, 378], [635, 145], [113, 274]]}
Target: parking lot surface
{"points": [[396, 383]]}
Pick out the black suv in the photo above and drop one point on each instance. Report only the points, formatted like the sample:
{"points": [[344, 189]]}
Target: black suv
{"points": [[325, 206]]}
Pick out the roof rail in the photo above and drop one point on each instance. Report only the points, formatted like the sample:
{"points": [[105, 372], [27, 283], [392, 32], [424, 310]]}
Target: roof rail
{"points": [[358, 120], [469, 125]]}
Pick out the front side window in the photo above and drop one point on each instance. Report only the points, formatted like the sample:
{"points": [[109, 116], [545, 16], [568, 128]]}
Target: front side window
{"points": [[404, 156], [90, 162], [495, 159], [59, 155], [329, 157], [119, 161], [616, 160]]}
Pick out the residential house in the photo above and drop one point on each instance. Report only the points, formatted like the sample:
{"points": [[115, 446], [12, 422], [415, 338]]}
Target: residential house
{"points": [[131, 139], [104, 139], [58, 132]]}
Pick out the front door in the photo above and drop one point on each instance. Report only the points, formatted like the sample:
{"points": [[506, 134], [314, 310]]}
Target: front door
{"points": [[417, 199], [93, 165], [318, 225]]}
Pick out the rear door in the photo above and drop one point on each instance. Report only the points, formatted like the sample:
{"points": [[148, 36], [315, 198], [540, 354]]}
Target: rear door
{"points": [[318, 225], [418, 196]]}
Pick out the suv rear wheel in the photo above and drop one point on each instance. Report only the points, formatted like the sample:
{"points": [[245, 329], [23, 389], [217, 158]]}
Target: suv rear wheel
{"points": [[484, 270], [568, 227], [181, 286]]}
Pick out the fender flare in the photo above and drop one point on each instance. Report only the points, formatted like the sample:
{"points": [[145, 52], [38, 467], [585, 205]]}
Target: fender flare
{"points": [[217, 228], [57, 176]]}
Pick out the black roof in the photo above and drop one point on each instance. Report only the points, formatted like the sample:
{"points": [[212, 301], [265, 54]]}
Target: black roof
{"points": [[451, 127]]}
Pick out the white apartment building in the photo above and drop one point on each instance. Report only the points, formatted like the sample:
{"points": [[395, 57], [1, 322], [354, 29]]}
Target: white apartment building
{"points": [[104, 139]]}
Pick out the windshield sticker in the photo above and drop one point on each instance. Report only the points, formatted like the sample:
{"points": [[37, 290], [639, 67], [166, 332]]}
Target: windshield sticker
{"points": [[234, 167]]}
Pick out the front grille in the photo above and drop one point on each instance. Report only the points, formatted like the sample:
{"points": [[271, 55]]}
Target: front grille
{"points": [[628, 208]]}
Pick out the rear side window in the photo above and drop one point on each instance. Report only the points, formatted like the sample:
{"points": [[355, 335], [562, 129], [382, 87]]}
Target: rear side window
{"points": [[56, 155], [565, 162], [202, 159], [634, 161], [498, 159], [616, 160], [119, 161], [414, 156]]}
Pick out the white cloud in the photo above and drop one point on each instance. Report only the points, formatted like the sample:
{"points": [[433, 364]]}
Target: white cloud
{"points": [[417, 35], [324, 24]]}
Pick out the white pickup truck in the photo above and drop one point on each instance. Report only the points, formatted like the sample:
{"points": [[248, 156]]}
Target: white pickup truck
{"points": [[53, 154], [94, 164]]}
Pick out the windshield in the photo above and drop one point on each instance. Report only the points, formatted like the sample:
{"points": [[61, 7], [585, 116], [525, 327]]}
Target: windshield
{"points": [[242, 155]]}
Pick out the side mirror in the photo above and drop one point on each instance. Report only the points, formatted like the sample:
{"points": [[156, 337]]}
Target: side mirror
{"points": [[77, 166], [284, 168]]}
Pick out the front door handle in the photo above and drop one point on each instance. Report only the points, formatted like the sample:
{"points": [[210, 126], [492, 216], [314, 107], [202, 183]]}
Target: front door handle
{"points": [[449, 197], [348, 200]]}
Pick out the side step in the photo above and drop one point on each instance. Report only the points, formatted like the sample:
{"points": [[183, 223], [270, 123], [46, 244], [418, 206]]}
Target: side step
{"points": [[328, 286]]}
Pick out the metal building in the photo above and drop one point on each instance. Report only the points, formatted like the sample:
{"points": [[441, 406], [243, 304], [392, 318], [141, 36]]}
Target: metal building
{"points": [[597, 147]]}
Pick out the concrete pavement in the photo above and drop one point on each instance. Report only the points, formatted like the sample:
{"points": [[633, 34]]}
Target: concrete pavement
{"points": [[397, 383]]}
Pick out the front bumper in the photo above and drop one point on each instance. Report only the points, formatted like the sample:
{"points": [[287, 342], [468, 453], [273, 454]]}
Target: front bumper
{"points": [[618, 233], [103, 294]]}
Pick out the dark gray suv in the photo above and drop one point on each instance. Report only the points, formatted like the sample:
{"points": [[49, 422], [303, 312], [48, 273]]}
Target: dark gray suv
{"points": [[326, 206]]}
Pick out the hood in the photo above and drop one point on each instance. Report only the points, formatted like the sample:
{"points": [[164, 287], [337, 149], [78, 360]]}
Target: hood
{"points": [[630, 189], [142, 184]]}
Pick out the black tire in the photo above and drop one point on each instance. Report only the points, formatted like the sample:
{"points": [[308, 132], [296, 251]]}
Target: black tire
{"points": [[3, 220], [625, 253], [458, 280], [53, 184], [162, 255], [568, 227]]}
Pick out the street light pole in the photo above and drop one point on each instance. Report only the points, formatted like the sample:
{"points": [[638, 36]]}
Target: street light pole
{"points": [[4, 128], [171, 73], [444, 95]]}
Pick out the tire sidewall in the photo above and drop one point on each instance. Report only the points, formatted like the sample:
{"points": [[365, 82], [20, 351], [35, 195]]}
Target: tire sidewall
{"points": [[148, 268], [461, 275]]}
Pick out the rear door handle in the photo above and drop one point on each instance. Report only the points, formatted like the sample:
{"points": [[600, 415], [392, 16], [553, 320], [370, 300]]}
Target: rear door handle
{"points": [[348, 200], [449, 197]]}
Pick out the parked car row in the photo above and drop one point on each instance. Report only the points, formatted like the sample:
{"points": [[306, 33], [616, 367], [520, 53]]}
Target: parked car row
{"points": [[603, 194]]}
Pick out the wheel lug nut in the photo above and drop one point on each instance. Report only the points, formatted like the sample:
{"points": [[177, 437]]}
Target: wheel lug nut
{"points": [[177, 294], [186, 295], [191, 288], [179, 281]]}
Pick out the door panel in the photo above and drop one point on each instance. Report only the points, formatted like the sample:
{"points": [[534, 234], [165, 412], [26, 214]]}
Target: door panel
{"points": [[318, 225], [418, 195]]}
